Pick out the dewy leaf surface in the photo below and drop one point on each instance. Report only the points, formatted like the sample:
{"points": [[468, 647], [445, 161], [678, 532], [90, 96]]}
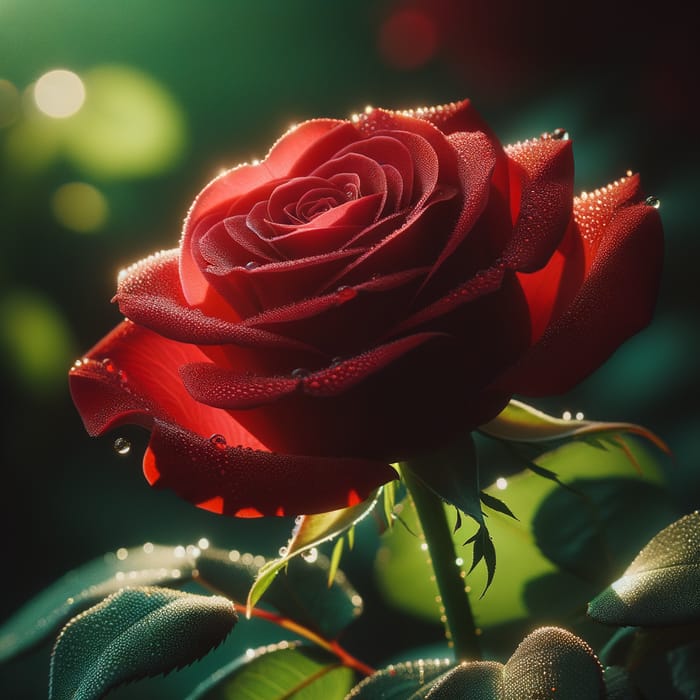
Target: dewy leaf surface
{"points": [[134, 633], [301, 593], [529, 587], [400, 681], [279, 673], [662, 585], [78, 589], [553, 663], [309, 532], [519, 422]]}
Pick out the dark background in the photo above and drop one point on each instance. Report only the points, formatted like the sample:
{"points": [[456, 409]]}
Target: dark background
{"points": [[197, 86]]}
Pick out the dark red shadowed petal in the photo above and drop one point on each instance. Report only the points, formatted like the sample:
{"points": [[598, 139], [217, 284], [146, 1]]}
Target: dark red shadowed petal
{"points": [[222, 388], [483, 283], [249, 483], [149, 293], [541, 189], [621, 256], [476, 160], [329, 322], [282, 283], [200, 452]]}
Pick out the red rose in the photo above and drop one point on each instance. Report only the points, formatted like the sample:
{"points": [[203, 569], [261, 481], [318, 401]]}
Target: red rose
{"points": [[371, 289]]}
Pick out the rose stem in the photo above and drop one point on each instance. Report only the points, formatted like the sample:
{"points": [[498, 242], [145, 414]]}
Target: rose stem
{"points": [[460, 625], [329, 645]]}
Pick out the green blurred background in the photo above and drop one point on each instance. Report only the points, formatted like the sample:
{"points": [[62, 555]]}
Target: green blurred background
{"points": [[176, 90]]}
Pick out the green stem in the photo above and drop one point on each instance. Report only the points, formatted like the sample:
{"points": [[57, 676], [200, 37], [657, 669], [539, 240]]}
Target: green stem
{"points": [[460, 623]]}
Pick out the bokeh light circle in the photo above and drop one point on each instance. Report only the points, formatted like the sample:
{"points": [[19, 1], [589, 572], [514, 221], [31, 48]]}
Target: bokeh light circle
{"points": [[80, 207], [59, 93]]}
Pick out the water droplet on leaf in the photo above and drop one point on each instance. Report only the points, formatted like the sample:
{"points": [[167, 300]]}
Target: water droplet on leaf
{"points": [[310, 556]]}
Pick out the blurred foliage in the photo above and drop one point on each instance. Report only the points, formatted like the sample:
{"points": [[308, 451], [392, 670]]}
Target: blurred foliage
{"points": [[176, 91]]}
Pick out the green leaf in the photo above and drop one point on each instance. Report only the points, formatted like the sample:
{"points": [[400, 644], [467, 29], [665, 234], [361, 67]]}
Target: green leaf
{"points": [[593, 528], [453, 474], [399, 681], [476, 680], [134, 633], [78, 589], [529, 587], [279, 673], [618, 685], [660, 587], [552, 662], [309, 532], [519, 422], [301, 594]]}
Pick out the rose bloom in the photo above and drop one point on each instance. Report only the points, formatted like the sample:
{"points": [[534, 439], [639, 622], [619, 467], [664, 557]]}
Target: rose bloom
{"points": [[369, 291]]}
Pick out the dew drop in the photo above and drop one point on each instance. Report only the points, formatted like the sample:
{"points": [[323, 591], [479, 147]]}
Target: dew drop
{"points": [[560, 134], [310, 556], [344, 294], [282, 551], [122, 446], [652, 201], [251, 265], [566, 415], [579, 415], [109, 365], [300, 373], [219, 441]]}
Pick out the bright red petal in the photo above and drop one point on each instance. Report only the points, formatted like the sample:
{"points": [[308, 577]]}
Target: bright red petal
{"points": [[620, 256], [200, 452]]}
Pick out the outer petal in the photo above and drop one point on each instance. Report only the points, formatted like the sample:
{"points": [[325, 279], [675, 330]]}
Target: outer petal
{"points": [[619, 255], [214, 386], [201, 452], [542, 178], [149, 293]]}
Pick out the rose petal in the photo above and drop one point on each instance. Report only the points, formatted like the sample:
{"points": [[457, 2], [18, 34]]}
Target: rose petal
{"points": [[542, 177], [222, 388], [392, 153], [476, 162], [150, 294], [252, 483], [283, 283], [621, 251], [329, 322], [200, 452]]}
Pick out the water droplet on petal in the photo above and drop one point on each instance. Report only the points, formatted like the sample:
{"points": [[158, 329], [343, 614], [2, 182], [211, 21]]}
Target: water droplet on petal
{"points": [[251, 265], [652, 201], [219, 441], [122, 446], [300, 373], [344, 294], [109, 365], [560, 135]]}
